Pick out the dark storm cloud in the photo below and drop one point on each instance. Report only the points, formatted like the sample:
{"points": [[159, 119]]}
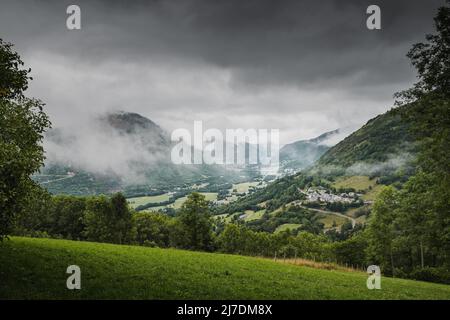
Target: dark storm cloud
{"points": [[261, 41], [304, 67]]}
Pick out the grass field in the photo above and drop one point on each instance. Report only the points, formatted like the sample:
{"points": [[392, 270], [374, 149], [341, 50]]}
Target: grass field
{"points": [[290, 226], [139, 201], [36, 269], [360, 183], [251, 215], [356, 182], [329, 219], [135, 202], [372, 193], [243, 187]]}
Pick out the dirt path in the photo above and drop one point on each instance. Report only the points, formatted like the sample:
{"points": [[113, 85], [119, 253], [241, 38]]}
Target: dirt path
{"points": [[64, 178], [334, 213]]}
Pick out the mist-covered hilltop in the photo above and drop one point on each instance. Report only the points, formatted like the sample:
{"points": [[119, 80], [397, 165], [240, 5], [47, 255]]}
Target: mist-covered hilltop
{"points": [[382, 147], [303, 153], [121, 151], [124, 151]]}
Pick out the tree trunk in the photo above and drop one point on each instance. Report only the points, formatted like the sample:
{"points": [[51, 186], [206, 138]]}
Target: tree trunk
{"points": [[421, 254], [392, 263]]}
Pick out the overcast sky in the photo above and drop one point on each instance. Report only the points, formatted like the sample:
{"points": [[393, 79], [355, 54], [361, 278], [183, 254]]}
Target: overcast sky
{"points": [[304, 67]]}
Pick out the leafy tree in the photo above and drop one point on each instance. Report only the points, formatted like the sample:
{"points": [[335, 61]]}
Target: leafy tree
{"points": [[108, 220], [13, 79], [412, 225], [152, 228], [231, 240], [381, 231], [21, 132], [67, 217], [352, 250], [35, 218], [22, 124], [431, 59], [196, 220]]}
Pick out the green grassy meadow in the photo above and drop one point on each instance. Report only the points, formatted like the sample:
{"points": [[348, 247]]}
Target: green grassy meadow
{"points": [[356, 182], [243, 187], [251, 215], [36, 269], [140, 201]]}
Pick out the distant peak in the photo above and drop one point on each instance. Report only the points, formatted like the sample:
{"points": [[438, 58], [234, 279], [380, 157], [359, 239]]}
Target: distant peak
{"points": [[324, 136]]}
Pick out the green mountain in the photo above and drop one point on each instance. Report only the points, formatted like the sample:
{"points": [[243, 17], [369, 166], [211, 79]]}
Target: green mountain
{"points": [[381, 147]]}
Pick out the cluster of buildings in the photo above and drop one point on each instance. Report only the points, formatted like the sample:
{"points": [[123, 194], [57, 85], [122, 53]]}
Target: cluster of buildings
{"points": [[320, 194]]}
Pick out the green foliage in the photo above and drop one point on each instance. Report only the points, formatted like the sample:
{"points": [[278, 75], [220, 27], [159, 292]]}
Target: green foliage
{"points": [[241, 240], [431, 59], [108, 220], [13, 79], [21, 132], [22, 124], [293, 214], [277, 193], [381, 231], [67, 214], [152, 228], [195, 217], [352, 250], [412, 226]]}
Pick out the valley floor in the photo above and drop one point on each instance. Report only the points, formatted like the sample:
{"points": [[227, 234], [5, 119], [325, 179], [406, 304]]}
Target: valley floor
{"points": [[36, 269]]}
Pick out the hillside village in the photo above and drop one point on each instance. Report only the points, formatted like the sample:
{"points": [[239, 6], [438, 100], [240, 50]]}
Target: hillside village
{"points": [[321, 194]]}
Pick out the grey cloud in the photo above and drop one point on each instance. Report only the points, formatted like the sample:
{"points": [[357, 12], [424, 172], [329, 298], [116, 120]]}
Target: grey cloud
{"points": [[261, 41], [304, 67]]}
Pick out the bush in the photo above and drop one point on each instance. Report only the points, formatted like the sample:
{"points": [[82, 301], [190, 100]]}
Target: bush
{"points": [[431, 274]]}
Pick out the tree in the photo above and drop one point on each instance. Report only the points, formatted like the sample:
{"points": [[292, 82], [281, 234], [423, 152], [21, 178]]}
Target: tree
{"points": [[22, 124], [230, 240], [67, 217], [381, 231], [352, 250], [13, 79], [152, 228], [432, 61], [196, 220], [108, 220], [35, 218], [414, 222], [424, 204]]}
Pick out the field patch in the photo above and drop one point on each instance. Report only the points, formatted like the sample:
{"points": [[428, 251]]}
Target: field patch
{"points": [[140, 201], [372, 193], [243, 187], [286, 226], [359, 183], [331, 221], [209, 196], [251, 215]]}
